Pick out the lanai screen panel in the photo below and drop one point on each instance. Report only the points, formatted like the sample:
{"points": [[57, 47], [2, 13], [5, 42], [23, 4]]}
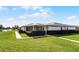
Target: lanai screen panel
{"points": [[29, 28], [65, 28], [71, 28]]}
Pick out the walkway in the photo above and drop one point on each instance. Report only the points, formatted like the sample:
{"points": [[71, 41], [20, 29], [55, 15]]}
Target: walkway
{"points": [[17, 35]]}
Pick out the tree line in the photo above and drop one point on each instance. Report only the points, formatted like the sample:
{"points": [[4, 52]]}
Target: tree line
{"points": [[3, 28]]}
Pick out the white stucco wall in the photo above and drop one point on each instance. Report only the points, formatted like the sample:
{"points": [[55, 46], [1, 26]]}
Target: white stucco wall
{"points": [[54, 28]]}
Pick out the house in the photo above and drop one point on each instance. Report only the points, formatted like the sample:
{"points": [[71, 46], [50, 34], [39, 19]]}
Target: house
{"points": [[50, 28], [58, 28], [33, 29]]}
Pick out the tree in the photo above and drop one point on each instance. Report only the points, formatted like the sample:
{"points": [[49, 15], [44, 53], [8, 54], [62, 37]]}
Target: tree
{"points": [[15, 27], [1, 27]]}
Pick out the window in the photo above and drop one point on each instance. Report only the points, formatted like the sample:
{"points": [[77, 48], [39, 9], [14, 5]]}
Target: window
{"points": [[28, 28]]}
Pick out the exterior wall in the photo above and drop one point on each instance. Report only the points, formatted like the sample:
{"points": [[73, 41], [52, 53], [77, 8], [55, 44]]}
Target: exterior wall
{"points": [[53, 28], [38, 28]]}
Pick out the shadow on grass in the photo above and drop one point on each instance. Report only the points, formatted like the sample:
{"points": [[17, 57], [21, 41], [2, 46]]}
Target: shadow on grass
{"points": [[66, 34], [57, 34], [36, 37]]}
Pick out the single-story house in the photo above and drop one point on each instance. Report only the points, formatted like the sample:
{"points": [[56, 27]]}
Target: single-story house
{"points": [[50, 28]]}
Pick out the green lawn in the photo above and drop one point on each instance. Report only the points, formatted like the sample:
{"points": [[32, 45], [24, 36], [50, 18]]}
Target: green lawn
{"points": [[8, 42], [23, 35], [72, 36]]}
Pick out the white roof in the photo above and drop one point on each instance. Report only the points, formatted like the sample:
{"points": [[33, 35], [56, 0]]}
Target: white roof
{"points": [[48, 24]]}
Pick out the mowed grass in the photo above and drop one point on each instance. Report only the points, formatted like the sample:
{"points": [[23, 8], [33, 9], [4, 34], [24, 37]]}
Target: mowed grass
{"points": [[23, 35], [8, 43], [72, 36]]}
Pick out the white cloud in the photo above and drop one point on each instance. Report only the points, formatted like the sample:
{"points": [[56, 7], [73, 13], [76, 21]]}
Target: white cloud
{"points": [[3, 8], [35, 14], [26, 7], [41, 10], [36, 7], [71, 17], [32, 7], [45, 12], [14, 9]]}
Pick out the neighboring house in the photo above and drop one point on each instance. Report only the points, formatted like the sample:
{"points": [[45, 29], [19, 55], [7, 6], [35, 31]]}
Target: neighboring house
{"points": [[5, 30], [50, 28]]}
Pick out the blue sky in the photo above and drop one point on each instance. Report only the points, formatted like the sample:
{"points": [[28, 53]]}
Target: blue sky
{"points": [[22, 15]]}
